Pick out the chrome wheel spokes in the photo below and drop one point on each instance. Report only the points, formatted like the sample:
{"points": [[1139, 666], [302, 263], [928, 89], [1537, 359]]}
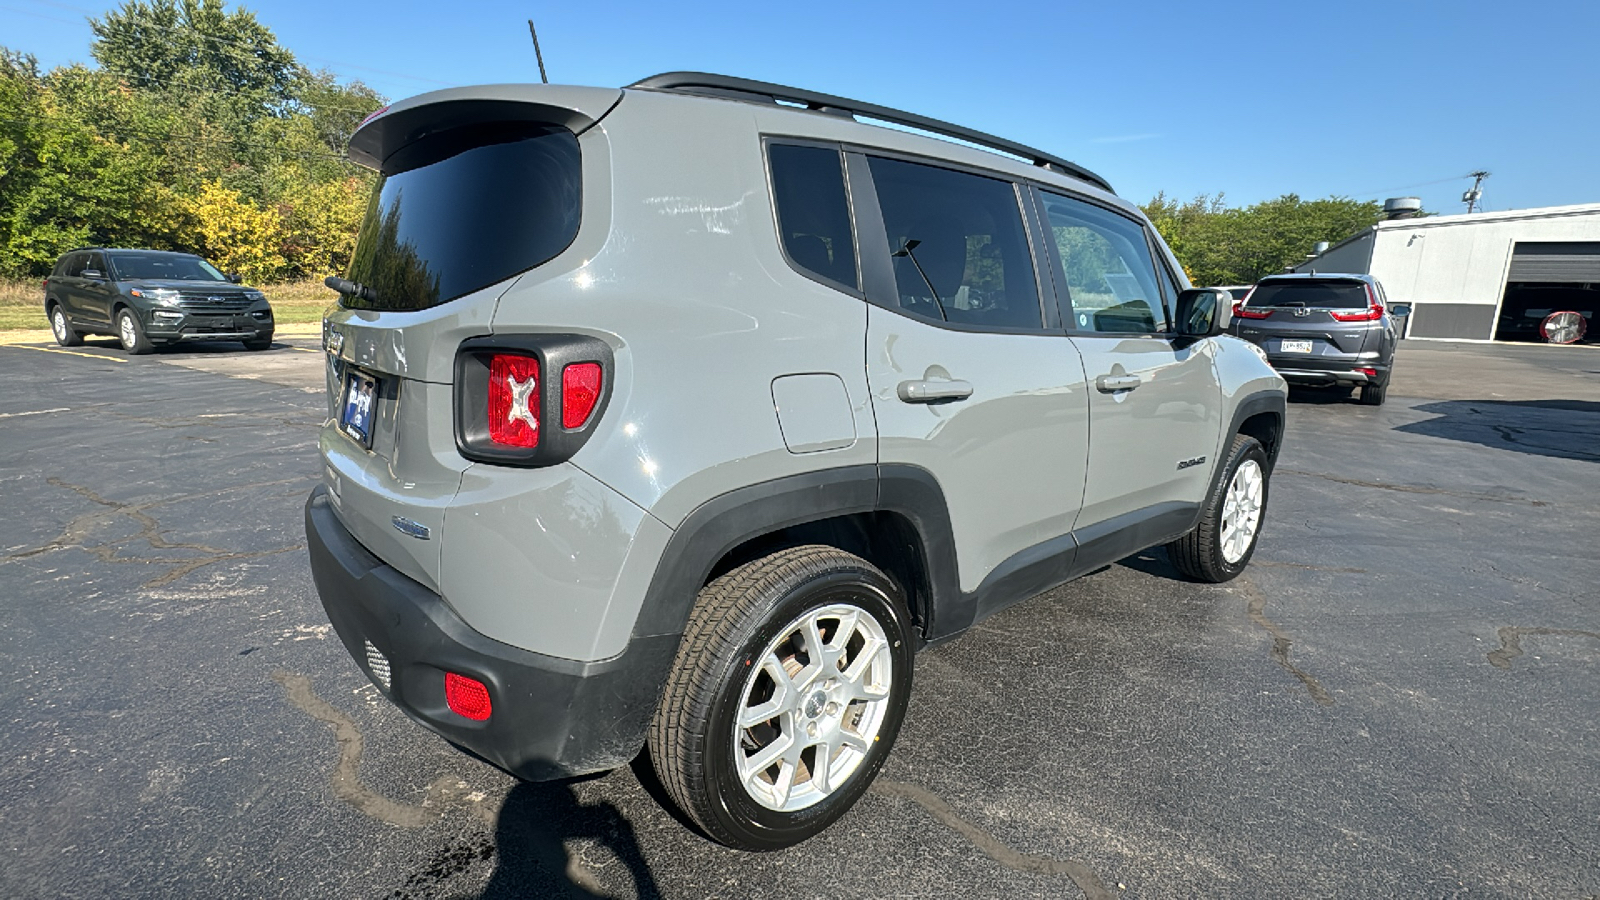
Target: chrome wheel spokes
{"points": [[1241, 510], [812, 707]]}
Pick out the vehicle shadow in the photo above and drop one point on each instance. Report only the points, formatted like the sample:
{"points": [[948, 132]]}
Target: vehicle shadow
{"points": [[1538, 427], [535, 822]]}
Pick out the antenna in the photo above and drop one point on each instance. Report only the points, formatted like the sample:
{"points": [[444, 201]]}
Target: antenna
{"points": [[1471, 197], [540, 56]]}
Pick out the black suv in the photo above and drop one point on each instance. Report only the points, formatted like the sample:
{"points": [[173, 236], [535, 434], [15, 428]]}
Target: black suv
{"points": [[1323, 330], [146, 298]]}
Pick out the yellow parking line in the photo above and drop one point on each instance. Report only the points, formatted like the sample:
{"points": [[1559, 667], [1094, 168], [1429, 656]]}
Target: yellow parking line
{"points": [[67, 352], [305, 349]]}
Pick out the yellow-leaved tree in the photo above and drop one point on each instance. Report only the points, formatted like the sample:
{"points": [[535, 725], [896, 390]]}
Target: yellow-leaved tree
{"points": [[236, 235]]}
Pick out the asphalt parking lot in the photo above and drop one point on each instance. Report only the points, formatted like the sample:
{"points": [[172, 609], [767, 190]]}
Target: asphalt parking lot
{"points": [[1399, 698]]}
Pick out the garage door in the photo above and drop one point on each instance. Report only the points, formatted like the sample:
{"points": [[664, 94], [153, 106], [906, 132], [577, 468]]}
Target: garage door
{"points": [[1555, 261]]}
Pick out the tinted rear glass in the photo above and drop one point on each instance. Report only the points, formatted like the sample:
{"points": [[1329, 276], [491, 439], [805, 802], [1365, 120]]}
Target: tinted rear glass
{"points": [[813, 211], [136, 266], [459, 211], [1311, 294]]}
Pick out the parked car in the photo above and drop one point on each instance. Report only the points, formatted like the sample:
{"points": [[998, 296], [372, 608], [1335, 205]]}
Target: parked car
{"points": [[149, 298], [680, 416], [1322, 330]]}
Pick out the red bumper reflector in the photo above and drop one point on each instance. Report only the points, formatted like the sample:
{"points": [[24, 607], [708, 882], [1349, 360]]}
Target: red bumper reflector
{"points": [[1370, 373], [467, 697], [580, 391]]}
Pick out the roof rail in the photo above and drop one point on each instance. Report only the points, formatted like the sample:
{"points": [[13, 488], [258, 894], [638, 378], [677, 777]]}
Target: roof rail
{"points": [[733, 88]]}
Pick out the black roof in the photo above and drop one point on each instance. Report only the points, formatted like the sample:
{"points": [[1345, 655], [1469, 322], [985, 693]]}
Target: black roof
{"points": [[731, 88]]}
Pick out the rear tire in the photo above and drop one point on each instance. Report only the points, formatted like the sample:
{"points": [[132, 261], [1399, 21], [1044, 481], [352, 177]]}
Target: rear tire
{"points": [[1373, 394], [131, 334], [788, 691], [66, 335], [1221, 545]]}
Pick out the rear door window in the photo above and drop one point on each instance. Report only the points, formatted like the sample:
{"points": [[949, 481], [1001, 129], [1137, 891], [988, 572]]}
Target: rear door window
{"points": [[461, 210], [1109, 272], [1311, 294], [814, 212], [959, 246]]}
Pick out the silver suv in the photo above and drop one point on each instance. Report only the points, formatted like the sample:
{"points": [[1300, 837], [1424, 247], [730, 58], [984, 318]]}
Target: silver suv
{"points": [[682, 415]]}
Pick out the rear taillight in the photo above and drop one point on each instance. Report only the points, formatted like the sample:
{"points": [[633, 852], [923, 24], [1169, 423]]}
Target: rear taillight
{"points": [[580, 391], [1242, 312], [1372, 313], [514, 400], [529, 400], [467, 697]]}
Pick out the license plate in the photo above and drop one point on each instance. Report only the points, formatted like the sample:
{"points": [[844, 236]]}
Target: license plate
{"points": [[1295, 347], [360, 406]]}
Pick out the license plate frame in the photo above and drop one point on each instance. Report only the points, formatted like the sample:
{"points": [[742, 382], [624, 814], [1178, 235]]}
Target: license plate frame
{"points": [[358, 406], [1288, 346]]}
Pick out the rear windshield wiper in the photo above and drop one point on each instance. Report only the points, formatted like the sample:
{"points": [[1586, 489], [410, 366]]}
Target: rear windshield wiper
{"points": [[351, 288]]}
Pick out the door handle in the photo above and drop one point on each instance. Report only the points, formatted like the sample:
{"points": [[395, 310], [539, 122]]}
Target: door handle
{"points": [[934, 391], [1110, 384]]}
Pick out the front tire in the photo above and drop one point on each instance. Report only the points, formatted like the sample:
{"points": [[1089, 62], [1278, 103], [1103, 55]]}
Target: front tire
{"points": [[259, 343], [788, 691], [66, 335], [131, 334], [1221, 545]]}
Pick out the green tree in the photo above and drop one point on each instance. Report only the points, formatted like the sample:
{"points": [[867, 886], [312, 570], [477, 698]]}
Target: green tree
{"points": [[198, 43], [1218, 245]]}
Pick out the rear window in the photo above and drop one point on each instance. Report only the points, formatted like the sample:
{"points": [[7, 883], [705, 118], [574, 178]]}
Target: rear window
{"points": [[1311, 294], [459, 211]]}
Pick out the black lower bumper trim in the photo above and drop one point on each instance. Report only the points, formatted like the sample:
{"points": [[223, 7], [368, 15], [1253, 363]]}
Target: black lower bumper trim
{"points": [[552, 717]]}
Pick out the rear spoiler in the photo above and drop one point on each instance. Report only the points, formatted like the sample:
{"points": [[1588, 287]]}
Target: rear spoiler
{"points": [[386, 131]]}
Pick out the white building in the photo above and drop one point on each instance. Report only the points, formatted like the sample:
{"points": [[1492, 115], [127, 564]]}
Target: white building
{"points": [[1481, 276]]}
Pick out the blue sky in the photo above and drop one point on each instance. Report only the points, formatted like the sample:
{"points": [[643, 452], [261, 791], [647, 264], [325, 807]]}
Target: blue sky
{"points": [[1361, 99]]}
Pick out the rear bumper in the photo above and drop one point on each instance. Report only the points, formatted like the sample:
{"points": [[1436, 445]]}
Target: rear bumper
{"points": [[1305, 372], [551, 717]]}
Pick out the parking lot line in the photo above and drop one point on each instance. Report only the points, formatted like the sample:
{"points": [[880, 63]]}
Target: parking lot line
{"points": [[67, 352]]}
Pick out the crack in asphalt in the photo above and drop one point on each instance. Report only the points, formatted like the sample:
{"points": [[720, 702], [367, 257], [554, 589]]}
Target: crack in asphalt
{"points": [[1511, 642], [441, 794], [1306, 566], [1415, 489], [76, 533], [1080, 873], [1281, 642], [210, 421]]}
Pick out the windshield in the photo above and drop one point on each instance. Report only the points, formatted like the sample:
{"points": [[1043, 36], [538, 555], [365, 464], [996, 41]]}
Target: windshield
{"points": [[141, 266], [461, 210], [1310, 294]]}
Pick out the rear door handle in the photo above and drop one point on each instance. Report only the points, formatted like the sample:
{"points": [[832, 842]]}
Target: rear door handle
{"points": [[1110, 384], [934, 391]]}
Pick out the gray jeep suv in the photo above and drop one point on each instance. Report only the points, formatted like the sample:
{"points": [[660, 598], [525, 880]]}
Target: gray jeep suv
{"points": [[1323, 330], [149, 298], [682, 415]]}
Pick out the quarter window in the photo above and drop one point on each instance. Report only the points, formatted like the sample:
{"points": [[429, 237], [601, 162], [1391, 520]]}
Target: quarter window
{"points": [[959, 247], [1110, 275], [813, 212]]}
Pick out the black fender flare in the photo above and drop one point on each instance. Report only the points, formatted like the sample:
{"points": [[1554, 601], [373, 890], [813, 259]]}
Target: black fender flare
{"points": [[724, 522]]}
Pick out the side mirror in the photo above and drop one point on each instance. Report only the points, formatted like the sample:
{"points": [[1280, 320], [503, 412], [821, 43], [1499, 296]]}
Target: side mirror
{"points": [[235, 277], [1203, 312], [1399, 309], [94, 274]]}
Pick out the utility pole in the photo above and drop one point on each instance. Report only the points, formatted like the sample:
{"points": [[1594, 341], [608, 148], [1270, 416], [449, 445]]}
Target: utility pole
{"points": [[1471, 197]]}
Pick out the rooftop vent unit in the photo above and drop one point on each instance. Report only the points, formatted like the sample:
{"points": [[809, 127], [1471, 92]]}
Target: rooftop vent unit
{"points": [[1401, 208]]}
